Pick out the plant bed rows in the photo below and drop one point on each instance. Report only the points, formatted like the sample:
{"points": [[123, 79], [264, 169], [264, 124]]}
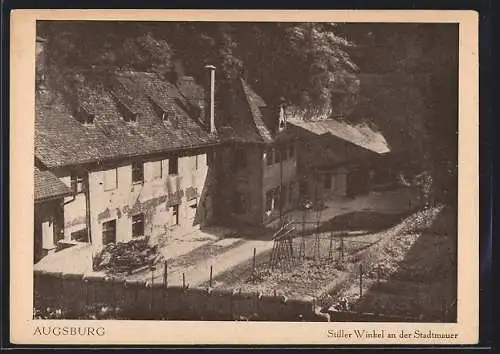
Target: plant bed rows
{"points": [[412, 276]]}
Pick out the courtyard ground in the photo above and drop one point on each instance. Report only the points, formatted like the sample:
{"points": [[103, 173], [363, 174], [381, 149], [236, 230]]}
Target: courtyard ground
{"points": [[229, 250], [224, 249]]}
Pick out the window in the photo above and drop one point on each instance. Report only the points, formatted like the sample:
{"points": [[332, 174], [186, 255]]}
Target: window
{"points": [[269, 200], [175, 213], [270, 157], [303, 188], [284, 155], [130, 116], [192, 208], [277, 197], [240, 158], [239, 203], [137, 172], [277, 155], [109, 232], [138, 225], [77, 183], [80, 235], [328, 181], [110, 179], [173, 166], [156, 169], [84, 117]]}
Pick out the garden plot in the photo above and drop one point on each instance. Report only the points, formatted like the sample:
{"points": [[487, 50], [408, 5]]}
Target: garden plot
{"points": [[413, 276], [323, 266]]}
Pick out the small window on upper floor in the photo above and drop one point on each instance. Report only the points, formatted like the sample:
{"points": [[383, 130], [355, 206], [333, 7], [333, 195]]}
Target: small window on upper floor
{"points": [[240, 158], [277, 155], [110, 179], [270, 156], [284, 154], [327, 183], [77, 183], [156, 169], [137, 172], [292, 149], [173, 166]]}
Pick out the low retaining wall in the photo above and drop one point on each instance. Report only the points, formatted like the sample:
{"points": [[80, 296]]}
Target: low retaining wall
{"points": [[142, 300]]}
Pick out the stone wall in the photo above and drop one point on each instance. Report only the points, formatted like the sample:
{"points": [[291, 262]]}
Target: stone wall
{"points": [[143, 300]]}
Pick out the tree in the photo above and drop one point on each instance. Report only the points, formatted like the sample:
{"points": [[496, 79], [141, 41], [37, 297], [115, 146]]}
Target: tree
{"points": [[305, 63], [413, 95]]}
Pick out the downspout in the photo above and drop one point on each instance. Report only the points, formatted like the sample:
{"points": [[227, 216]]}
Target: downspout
{"points": [[87, 216], [281, 186]]}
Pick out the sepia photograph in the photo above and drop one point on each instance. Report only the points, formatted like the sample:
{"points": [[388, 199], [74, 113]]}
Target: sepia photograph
{"points": [[247, 163], [246, 171]]}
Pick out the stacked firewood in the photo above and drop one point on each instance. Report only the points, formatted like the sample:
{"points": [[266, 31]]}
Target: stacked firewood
{"points": [[127, 257]]}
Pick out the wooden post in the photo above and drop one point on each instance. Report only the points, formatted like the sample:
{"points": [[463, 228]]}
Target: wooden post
{"points": [[165, 285], [152, 293], [165, 273], [210, 282], [330, 254], [360, 280], [253, 265], [342, 247], [183, 280]]}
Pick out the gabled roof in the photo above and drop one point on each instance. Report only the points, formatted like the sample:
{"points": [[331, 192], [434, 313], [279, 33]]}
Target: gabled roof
{"points": [[256, 104], [48, 186], [361, 135], [246, 121], [62, 140]]}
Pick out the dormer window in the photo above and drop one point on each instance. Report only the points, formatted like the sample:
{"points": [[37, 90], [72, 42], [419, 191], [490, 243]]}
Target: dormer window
{"points": [[134, 117], [159, 109], [127, 113], [84, 117]]}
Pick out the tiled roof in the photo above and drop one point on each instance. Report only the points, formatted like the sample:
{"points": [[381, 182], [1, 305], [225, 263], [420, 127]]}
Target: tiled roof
{"points": [[256, 103], [62, 140], [48, 186], [361, 135], [244, 120]]}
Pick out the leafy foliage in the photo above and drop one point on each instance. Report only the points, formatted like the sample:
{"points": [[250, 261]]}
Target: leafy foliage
{"points": [[310, 65], [306, 63]]}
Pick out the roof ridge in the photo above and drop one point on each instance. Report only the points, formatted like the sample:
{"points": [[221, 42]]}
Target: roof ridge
{"points": [[262, 134]]}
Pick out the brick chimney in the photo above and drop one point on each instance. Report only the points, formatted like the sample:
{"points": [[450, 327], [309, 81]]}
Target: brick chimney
{"points": [[40, 63], [210, 99]]}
